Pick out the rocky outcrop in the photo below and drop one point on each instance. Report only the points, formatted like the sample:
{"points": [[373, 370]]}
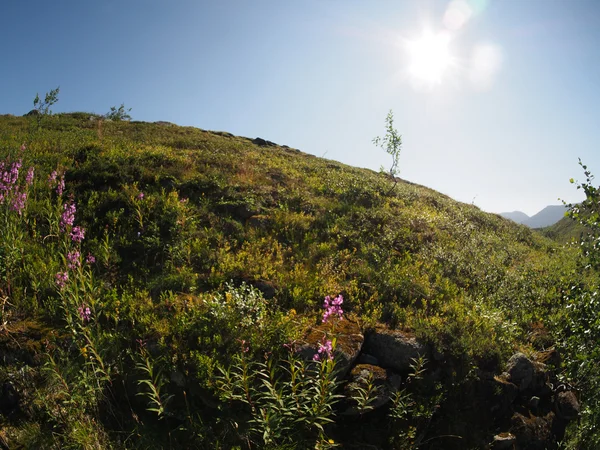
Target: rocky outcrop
{"points": [[394, 349], [349, 341], [263, 142], [383, 384]]}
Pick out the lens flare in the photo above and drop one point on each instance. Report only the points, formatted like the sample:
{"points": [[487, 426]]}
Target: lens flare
{"points": [[430, 57]]}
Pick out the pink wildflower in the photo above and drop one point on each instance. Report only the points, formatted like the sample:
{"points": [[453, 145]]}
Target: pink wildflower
{"points": [[68, 216], [333, 307], [140, 196], [84, 313], [73, 260], [77, 234], [29, 177], [61, 279], [325, 350], [90, 259], [18, 201]]}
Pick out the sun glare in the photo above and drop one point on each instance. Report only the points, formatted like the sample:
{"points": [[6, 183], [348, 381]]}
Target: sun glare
{"points": [[429, 57]]}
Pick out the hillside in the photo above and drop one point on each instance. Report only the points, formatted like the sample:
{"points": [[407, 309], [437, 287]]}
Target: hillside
{"points": [[178, 260]]}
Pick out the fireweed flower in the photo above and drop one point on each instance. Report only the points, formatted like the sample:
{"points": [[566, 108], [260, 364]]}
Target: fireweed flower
{"points": [[18, 201], [52, 178], [60, 187], [140, 196], [61, 279], [90, 259], [73, 260], [68, 216], [77, 234], [333, 307], [23, 147], [325, 350], [29, 178], [84, 313]]}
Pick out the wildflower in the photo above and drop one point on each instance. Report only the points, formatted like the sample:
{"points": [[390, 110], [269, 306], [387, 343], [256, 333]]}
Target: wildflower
{"points": [[325, 350], [60, 187], [61, 279], [23, 147], [73, 260], [90, 259], [77, 234], [18, 201], [29, 177], [68, 216], [84, 313], [140, 196], [333, 307], [52, 178]]}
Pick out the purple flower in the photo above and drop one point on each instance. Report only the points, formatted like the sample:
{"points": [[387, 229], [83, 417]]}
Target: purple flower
{"points": [[29, 178], [325, 350], [73, 260], [77, 234], [140, 196], [90, 259], [61, 279], [60, 187], [23, 147], [18, 201], [52, 178], [333, 307], [68, 216], [84, 313]]}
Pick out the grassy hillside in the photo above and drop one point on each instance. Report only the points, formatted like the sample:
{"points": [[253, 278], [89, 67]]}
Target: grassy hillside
{"points": [[209, 248]]}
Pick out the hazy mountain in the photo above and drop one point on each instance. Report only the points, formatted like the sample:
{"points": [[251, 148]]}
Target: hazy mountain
{"points": [[516, 216], [546, 217]]}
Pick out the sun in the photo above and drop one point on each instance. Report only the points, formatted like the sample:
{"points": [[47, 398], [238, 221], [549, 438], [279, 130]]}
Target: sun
{"points": [[430, 57]]}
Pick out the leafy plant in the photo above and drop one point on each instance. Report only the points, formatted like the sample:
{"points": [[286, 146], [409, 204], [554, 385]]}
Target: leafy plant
{"points": [[392, 144], [118, 114]]}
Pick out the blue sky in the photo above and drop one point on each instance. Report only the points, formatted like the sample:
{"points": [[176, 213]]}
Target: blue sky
{"points": [[516, 104]]}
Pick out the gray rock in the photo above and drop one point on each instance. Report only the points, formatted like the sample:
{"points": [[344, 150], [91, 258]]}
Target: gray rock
{"points": [[520, 370], [566, 405], [365, 358], [394, 349], [384, 383]]}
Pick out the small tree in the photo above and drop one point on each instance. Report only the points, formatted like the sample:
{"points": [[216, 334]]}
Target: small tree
{"points": [[119, 113], [43, 107], [392, 144]]}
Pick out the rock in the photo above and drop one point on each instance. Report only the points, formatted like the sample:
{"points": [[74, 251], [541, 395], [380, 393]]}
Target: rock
{"points": [[9, 399], [162, 122], [520, 370], [566, 405], [394, 349], [385, 383], [534, 402], [365, 358], [178, 378], [33, 112], [503, 394], [263, 143], [349, 341], [503, 441], [534, 433]]}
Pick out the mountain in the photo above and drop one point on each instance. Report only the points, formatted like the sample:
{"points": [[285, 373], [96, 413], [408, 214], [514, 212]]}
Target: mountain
{"points": [[546, 217], [516, 216], [167, 284]]}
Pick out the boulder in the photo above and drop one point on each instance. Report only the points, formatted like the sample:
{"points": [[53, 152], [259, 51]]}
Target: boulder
{"points": [[33, 112], [349, 341], [533, 432], [520, 370], [384, 383], [263, 142], [394, 349], [566, 405]]}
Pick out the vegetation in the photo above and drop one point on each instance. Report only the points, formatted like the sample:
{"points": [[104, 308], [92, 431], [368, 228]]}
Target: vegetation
{"points": [[154, 281]]}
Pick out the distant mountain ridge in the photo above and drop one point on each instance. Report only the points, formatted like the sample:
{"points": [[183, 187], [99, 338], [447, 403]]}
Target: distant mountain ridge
{"points": [[546, 217]]}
